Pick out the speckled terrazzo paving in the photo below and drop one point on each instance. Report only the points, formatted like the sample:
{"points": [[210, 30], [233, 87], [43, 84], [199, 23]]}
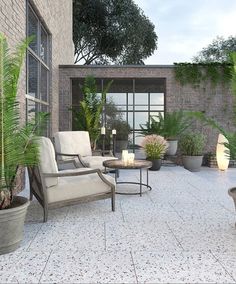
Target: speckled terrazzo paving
{"points": [[180, 232]]}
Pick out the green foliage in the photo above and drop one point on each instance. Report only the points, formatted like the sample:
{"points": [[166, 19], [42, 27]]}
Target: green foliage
{"points": [[217, 51], [170, 126], [88, 117], [106, 31], [195, 73], [122, 129], [18, 146], [191, 144]]}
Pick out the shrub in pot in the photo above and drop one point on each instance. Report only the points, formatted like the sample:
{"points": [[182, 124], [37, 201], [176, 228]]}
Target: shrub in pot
{"points": [[170, 125], [155, 147], [191, 147], [18, 148]]}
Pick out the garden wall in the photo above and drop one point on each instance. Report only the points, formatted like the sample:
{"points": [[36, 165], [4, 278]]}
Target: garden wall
{"points": [[216, 102]]}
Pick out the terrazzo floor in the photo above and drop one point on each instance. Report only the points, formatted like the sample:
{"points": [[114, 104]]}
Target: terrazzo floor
{"points": [[180, 232]]}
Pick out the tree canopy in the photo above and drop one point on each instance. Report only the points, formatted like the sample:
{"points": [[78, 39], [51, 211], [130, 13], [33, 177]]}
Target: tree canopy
{"points": [[217, 51], [111, 31]]}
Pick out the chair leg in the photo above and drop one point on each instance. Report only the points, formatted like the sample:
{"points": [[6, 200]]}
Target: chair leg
{"points": [[31, 195], [45, 214], [113, 202]]}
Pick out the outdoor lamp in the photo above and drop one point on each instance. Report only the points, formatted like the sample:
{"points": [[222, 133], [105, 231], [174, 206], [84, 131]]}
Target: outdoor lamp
{"points": [[103, 130], [222, 159]]}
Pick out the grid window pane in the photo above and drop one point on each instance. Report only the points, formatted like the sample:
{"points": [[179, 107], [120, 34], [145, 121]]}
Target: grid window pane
{"points": [[44, 46], [33, 30], [157, 108], [33, 76], [117, 98], [141, 99], [156, 99], [140, 118], [44, 84]]}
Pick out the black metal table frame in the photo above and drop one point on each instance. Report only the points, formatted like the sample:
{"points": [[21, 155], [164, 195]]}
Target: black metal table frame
{"points": [[140, 183]]}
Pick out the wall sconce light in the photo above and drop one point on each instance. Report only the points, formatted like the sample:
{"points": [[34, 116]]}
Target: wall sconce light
{"points": [[221, 157]]}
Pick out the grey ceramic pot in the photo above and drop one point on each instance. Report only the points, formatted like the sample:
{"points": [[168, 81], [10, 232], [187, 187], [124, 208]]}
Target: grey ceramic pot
{"points": [[192, 163], [232, 193], [12, 224], [156, 165], [172, 147]]}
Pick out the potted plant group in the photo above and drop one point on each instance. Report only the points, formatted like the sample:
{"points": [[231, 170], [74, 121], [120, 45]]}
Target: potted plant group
{"points": [[155, 147], [191, 147], [18, 149], [171, 126]]}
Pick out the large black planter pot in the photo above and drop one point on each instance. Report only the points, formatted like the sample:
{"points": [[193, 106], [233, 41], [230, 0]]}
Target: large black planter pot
{"points": [[12, 224], [156, 165]]}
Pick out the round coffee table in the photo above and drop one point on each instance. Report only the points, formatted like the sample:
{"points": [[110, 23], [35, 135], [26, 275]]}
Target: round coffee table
{"points": [[137, 164]]}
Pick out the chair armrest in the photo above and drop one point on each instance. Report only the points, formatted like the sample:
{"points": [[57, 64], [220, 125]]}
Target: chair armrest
{"points": [[73, 155], [93, 171]]}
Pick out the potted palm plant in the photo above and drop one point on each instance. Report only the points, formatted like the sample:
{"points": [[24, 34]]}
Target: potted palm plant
{"points": [[155, 147], [18, 148], [191, 147], [170, 125]]}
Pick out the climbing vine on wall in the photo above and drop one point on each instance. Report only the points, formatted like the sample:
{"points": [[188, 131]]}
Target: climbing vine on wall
{"points": [[195, 73]]}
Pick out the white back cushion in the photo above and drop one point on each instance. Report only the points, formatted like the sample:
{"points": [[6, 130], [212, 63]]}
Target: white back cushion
{"points": [[48, 162], [73, 142]]}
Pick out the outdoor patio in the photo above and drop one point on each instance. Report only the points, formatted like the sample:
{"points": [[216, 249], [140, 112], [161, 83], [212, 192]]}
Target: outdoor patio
{"points": [[181, 232]]}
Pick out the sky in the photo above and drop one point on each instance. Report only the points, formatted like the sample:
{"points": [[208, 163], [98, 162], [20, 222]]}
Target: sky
{"points": [[184, 27]]}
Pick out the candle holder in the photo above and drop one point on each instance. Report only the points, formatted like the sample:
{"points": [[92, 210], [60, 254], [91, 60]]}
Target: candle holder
{"points": [[114, 144]]}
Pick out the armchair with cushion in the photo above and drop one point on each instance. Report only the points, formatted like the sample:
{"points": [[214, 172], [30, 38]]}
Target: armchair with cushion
{"points": [[54, 188], [74, 147]]}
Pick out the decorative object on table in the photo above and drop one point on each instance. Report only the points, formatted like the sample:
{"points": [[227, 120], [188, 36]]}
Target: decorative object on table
{"points": [[221, 153], [122, 134], [171, 126], [232, 193], [124, 156], [113, 141], [191, 147], [103, 133], [18, 148], [155, 147]]}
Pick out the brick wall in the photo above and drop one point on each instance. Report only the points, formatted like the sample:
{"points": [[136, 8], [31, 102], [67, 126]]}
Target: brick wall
{"points": [[57, 17], [214, 101]]}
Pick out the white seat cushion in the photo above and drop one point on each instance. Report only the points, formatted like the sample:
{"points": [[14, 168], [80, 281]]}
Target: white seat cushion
{"points": [[48, 163], [96, 162], [72, 142], [69, 188]]}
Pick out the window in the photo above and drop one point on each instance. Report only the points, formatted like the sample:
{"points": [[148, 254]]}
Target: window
{"points": [[38, 70]]}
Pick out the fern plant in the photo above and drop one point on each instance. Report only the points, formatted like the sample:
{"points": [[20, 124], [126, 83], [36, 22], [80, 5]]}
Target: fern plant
{"points": [[169, 126], [18, 146], [88, 116]]}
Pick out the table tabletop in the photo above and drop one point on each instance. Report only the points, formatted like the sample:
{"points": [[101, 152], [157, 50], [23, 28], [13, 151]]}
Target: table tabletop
{"points": [[119, 164]]}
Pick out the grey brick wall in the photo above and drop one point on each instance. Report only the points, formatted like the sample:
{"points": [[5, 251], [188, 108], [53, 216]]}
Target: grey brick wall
{"points": [[57, 17], [214, 101]]}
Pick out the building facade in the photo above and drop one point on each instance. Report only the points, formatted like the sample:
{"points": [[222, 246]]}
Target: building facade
{"points": [[49, 22], [141, 91]]}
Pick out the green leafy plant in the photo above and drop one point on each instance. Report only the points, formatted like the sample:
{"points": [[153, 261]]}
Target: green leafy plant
{"points": [[191, 144], [88, 116], [18, 145], [122, 129], [154, 146], [171, 125]]}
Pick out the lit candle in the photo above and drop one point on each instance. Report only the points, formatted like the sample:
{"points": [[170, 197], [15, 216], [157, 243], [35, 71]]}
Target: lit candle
{"points": [[130, 158], [103, 130], [125, 156], [113, 131]]}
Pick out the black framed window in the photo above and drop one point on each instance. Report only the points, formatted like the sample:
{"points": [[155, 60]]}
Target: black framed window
{"points": [[38, 66]]}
